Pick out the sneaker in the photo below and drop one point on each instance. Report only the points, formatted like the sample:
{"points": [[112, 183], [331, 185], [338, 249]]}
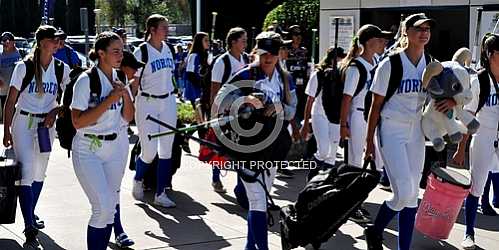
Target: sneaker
{"points": [[164, 201], [468, 242], [488, 210], [284, 173], [359, 217], [39, 224], [374, 241], [31, 240], [123, 241], [385, 186], [218, 187], [138, 190]]}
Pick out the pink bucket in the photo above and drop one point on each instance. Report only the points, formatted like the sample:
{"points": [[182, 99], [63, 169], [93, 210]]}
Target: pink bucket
{"points": [[441, 202]]}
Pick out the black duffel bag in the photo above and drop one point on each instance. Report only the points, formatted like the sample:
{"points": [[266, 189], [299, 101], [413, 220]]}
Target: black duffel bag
{"points": [[325, 204], [10, 176]]}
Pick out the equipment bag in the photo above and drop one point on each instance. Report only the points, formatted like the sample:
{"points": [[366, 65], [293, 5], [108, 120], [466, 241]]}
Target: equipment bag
{"points": [[10, 177]]}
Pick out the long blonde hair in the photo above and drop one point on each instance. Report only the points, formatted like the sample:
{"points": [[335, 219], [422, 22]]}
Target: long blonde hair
{"points": [[34, 56]]}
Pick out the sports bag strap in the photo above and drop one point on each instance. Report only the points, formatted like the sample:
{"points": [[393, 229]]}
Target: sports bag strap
{"points": [[369, 162], [362, 77], [227, 68], [59, 70], [95, 85], [145, 58], [28, 76], [484, 82], [395, 76]]}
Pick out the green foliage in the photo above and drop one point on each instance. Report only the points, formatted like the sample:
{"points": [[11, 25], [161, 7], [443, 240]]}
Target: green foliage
{"points": [[185, 113], [302, 12]]}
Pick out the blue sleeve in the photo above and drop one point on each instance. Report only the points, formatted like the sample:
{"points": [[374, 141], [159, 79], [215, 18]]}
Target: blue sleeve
{"points": [[75, 59], [243, 74]]}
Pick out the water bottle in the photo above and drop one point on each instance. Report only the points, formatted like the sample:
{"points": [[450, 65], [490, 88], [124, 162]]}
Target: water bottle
{"points": [[44, 138]]}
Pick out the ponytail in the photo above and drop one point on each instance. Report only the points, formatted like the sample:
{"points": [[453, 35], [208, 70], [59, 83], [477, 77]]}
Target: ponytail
{"points": [[35, 58], [352, 53], [153, 22]]}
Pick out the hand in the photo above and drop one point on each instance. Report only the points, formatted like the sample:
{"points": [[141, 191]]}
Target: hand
{"points": [[369, 149], [272, 109], [445, 105], [254, 101], [305, 131], [49, 120], [344, 132], [116, 93], [296, 135], [458, 159], [7, 139]]}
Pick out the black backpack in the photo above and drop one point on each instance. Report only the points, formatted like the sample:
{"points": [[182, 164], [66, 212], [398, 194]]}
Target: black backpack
{"points": [[394, 82], [329, 81], [30, 73], [206, 74], [64, 124], [362, 75], [484, 81]]}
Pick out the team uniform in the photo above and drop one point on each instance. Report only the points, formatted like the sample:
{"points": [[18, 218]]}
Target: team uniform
{"points": [[193, 91], [31, 109], [219, 67], [356, 122], [99, 155], [326, 133], [156, 98], [483, 154]]}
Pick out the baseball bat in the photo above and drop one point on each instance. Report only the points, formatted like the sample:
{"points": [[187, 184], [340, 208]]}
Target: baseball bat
{"points": [[222, 120], [198, 140], [474, 55]]}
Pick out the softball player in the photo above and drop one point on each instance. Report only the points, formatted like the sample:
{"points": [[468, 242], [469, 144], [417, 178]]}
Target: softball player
{"points": [[156, 98], [36, 106], [198, 58], [368, 41], [482, 151], [99, 153], [400, 135], [269, 80], [327, 134]]}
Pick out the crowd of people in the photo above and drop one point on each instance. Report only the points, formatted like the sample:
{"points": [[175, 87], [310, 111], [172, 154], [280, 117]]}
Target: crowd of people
{"points": [[286, 92]]}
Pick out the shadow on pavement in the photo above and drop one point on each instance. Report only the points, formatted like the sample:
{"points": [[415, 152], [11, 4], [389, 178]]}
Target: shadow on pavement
{"points": [[182, 225], [47, 242], [9, 244]]}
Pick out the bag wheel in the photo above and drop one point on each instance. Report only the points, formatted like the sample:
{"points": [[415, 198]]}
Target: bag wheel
{"points": [[316, 245]]}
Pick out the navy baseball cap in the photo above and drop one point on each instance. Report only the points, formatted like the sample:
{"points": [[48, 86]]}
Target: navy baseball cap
{"points": [[268, 42], [7, 36], [369, 31], [129, 60], [47, 31], [416, 20]]}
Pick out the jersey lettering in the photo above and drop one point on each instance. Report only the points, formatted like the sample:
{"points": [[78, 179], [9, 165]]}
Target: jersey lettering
{"points": [[409, 85], [48, 87], [162, 63], [491, 100]]}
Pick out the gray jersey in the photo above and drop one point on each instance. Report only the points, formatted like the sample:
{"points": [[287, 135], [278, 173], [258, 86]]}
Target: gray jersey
{"points": [[7, 63]]}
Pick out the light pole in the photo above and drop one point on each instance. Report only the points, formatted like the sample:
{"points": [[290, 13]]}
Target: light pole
{"points": [[314, 33], [67, 16], [97, 19]]}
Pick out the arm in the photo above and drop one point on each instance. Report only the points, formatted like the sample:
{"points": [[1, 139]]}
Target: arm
{"points": [[90, 116], [372, 123], [8, 114], [290, 110], [306, 117], [345, 108], [215, 86], [128, 110]]}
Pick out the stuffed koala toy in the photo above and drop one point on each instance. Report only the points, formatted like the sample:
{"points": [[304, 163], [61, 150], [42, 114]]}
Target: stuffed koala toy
{"points": [[444, 80]]}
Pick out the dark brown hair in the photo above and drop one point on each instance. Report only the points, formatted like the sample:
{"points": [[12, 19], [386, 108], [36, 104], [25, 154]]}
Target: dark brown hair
{"points": [[233, 35], [153, 22], [102, 41]]}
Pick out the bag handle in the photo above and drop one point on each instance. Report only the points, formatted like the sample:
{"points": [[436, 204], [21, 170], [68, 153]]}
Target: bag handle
{"points": [[369, 162]]}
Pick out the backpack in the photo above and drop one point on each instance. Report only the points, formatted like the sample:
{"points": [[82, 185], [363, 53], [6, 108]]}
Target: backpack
{"points": [[64, 124], [396, 75], [484, 81], [30, 73], [206, 74], [332, 93], [145, 57]]}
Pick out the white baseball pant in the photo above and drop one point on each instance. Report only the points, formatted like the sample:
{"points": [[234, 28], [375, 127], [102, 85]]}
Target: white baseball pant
{"points": [[256, 194], [403, 151], [99, 172], [327, 136], [482, 154], [25, 143], [164, 110], [357, 140]]}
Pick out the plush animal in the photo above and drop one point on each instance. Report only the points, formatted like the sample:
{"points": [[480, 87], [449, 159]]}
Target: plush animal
{"points": [[444, 80]]}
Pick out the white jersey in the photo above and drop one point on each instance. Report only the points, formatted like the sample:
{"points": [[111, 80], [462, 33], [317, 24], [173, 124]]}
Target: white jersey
{"points": [[29, 100], [488, 116], [159, 70], [407, 102], [352, 76], [111, 120], [219, 67], [311, 90]]}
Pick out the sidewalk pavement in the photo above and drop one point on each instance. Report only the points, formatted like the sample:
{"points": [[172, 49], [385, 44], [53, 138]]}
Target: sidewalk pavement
{"points": [[202, 220]]}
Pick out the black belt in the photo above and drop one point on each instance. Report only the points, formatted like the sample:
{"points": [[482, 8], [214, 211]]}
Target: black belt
{"points": [[110, 137], [34, 115], [157, 96], [360, 109]]}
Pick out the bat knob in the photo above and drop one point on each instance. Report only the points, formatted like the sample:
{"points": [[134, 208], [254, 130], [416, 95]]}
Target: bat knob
{"points": [[149, 136]]}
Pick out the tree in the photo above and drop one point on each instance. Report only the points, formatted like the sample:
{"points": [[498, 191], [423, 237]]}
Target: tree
{"points": [[302, 12]]}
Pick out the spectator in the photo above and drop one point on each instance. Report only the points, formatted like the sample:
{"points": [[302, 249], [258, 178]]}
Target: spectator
{"points": [[65, 53], [122, 33], [8, 58]]}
